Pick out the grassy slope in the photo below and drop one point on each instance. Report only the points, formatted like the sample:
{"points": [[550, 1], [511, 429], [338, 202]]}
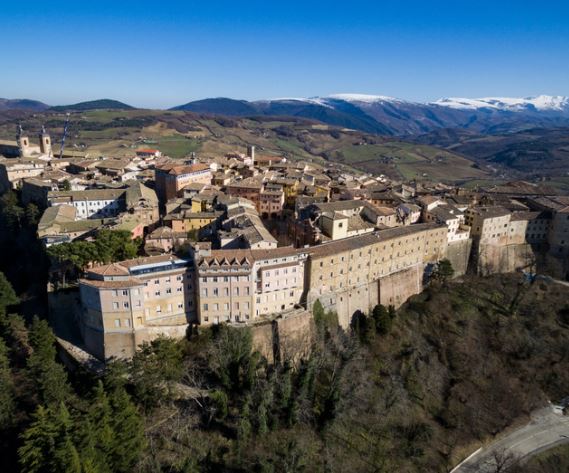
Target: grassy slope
{"points": [[178, 134], [413, 161]]}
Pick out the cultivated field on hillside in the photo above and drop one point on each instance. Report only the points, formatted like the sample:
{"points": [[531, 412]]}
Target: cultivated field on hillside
{"points": [[178, 134]]}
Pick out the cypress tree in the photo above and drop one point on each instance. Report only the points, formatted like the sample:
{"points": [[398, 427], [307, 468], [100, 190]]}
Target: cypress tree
{"points": [[244, 426]]}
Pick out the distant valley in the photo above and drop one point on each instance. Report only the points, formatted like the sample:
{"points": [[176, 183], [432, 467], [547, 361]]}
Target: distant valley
{"points": [[455, 141], [369, 113]]}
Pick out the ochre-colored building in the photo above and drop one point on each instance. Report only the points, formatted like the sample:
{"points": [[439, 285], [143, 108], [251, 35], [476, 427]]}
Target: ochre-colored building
{"points": [[171, 178]]}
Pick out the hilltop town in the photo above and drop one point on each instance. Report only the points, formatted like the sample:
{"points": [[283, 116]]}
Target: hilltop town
{"points": [[250, 239]]}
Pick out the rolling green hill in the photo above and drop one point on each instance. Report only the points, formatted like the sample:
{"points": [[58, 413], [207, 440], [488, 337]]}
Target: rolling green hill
{"points": [[101, 104], [177, 133]]}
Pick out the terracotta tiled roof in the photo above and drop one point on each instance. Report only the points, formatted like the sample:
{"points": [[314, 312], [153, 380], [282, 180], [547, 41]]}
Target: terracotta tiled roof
{"points": [[131, 282], [178, 169]]}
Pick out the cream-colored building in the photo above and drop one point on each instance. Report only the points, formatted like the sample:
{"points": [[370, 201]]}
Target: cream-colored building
{"points": [[91, 203], [226, 286], [383, 267], [242, 285], [124, 304], [279, 275], [488, 225], [127, 303], [13, 171], [453, 218], [557, 208]]}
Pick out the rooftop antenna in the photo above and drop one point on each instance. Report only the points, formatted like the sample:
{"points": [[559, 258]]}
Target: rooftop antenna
{"points": [[64, 136]]}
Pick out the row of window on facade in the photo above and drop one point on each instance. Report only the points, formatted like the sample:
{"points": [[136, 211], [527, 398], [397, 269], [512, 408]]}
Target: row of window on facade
{"points": [[225, 278], [158, 310], [277, 272], [215, 291], [225, 306], [97, 203]]}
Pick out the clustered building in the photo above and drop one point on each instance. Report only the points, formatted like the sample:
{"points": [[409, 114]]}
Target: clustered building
{"points": [[245, 238], [350, 242]]}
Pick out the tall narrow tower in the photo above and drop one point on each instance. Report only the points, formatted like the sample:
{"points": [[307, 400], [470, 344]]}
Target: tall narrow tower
{"points": [[45, 142], [251, 152], [23, 143]]}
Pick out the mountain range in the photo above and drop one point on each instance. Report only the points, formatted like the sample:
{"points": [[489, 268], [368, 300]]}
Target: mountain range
{"points": [[391, 116], [371, 113], [22, 104]]}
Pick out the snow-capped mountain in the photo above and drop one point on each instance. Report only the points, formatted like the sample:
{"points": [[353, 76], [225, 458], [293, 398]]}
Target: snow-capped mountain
{"points": [[364, 98], [542, 103], [382, 114], [392, 116]]}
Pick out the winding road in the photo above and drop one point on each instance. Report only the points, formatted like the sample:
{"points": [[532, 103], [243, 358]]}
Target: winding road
{"points": [[547, 428]]}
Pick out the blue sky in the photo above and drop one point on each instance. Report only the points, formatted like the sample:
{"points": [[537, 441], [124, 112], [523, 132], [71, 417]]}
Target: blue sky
{"points": [[160, 54]]}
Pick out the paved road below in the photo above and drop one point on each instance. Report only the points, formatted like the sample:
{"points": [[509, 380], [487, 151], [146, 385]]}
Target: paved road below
{"points": [[547, 428]]}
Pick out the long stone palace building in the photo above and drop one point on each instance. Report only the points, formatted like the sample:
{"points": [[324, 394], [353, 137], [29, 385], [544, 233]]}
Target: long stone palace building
{"points": [[129, 302]]}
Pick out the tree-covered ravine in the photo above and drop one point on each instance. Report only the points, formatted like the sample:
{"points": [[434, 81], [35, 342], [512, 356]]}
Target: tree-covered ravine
{"points": [[408, 390]]}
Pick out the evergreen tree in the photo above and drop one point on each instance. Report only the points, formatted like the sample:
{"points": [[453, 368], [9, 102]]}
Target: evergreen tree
{"points": [[93, 460], [364, 327], [318, 312], [285, 386], [262, 419], [48, 375], [48, 444], [392, 312], [244, 425], [219, 403], [8, 296], [128, 440], [36, 453], [382, 319], [232, 359], [116, 375], [12, 213], [65, 455], [116, 245], [7, 402], [154, 368], [98, 435], [443, 271], [32, 214]]}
